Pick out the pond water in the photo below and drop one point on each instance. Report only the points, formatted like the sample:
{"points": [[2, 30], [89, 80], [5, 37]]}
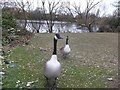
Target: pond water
{"points": [[59, 26]]}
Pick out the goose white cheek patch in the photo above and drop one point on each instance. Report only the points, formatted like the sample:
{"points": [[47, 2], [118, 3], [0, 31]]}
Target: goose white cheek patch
{"points": [[55, 37]]}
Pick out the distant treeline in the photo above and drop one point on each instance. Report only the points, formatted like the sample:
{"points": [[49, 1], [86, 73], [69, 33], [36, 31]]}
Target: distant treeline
{"points": [[109, 23], [37, 15]]}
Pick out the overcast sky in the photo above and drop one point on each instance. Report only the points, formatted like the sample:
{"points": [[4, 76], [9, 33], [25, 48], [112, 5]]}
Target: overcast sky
{"points": [[105, 6]]}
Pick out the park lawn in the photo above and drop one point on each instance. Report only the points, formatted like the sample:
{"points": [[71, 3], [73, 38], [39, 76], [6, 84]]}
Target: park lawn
{"points": [[93, 59]]}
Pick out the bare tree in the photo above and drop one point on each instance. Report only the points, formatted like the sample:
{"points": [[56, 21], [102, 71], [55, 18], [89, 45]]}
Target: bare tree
{"points": [[52, 10], [4, 4], [37, 23], [65, 9], [117, 11], [115, 19], [87, 17], [37, 13], [23, 7], [65, 13]]}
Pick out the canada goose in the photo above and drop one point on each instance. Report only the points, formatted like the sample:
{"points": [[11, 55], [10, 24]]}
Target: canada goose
{"points": [[52, 67], [66, 49]]}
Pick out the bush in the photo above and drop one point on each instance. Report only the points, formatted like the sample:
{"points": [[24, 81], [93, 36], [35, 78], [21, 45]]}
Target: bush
{"points": [[114, 22], [7, 20], [10, 30], [105, 28], [8, 27]]}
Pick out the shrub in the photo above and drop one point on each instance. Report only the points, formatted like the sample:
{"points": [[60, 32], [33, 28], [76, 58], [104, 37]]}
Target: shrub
{"points": [[7, 20], [8, 27]]}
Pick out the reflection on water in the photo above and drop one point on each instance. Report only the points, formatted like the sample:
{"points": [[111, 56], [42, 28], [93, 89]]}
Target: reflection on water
{"points": [[59, 26]]}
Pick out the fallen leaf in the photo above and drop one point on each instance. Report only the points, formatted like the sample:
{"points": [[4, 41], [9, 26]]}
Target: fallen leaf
{"points": [[110, 79]]}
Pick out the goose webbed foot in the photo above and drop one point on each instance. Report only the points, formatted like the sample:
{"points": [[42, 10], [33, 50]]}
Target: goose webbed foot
{"points": [[47, 85], [64, 56], [54, 84]]}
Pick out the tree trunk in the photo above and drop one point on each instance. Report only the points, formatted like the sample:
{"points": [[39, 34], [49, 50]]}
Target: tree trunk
{"points": [[50, 29], [25, 18], [37, 31], [90, 28]]}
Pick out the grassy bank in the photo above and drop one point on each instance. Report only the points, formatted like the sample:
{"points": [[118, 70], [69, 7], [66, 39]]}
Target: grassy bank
{"points": [[94, 59]]}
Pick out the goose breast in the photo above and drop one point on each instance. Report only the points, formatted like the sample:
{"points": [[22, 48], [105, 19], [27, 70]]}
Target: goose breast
{"points": [[52, 69]]}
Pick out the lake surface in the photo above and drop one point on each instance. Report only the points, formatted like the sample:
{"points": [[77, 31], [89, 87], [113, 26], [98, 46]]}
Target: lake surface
{"points": [[59, 26]]}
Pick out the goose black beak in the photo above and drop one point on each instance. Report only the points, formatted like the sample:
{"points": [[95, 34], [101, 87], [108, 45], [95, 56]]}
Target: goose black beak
{"points": [[60, 38]]}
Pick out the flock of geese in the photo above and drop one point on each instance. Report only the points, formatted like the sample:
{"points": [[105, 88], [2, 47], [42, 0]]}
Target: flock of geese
{"points": [[52, 67]]}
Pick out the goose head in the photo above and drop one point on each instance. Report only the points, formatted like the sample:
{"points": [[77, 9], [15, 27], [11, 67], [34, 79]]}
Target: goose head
{"points": [[57, 36]]}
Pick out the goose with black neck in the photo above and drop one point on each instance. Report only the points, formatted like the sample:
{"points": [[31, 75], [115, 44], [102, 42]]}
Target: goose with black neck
{"points": [[66, 49], [53, 67]]}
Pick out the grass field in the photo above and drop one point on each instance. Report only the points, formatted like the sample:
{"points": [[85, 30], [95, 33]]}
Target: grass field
{"points": [[93, 59]]}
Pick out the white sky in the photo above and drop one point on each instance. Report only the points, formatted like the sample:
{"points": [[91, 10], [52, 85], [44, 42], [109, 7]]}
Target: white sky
{"points": [[105, 6]]}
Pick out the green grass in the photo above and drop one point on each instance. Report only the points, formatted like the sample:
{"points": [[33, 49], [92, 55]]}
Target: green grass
{"points": [[87, 66]]}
